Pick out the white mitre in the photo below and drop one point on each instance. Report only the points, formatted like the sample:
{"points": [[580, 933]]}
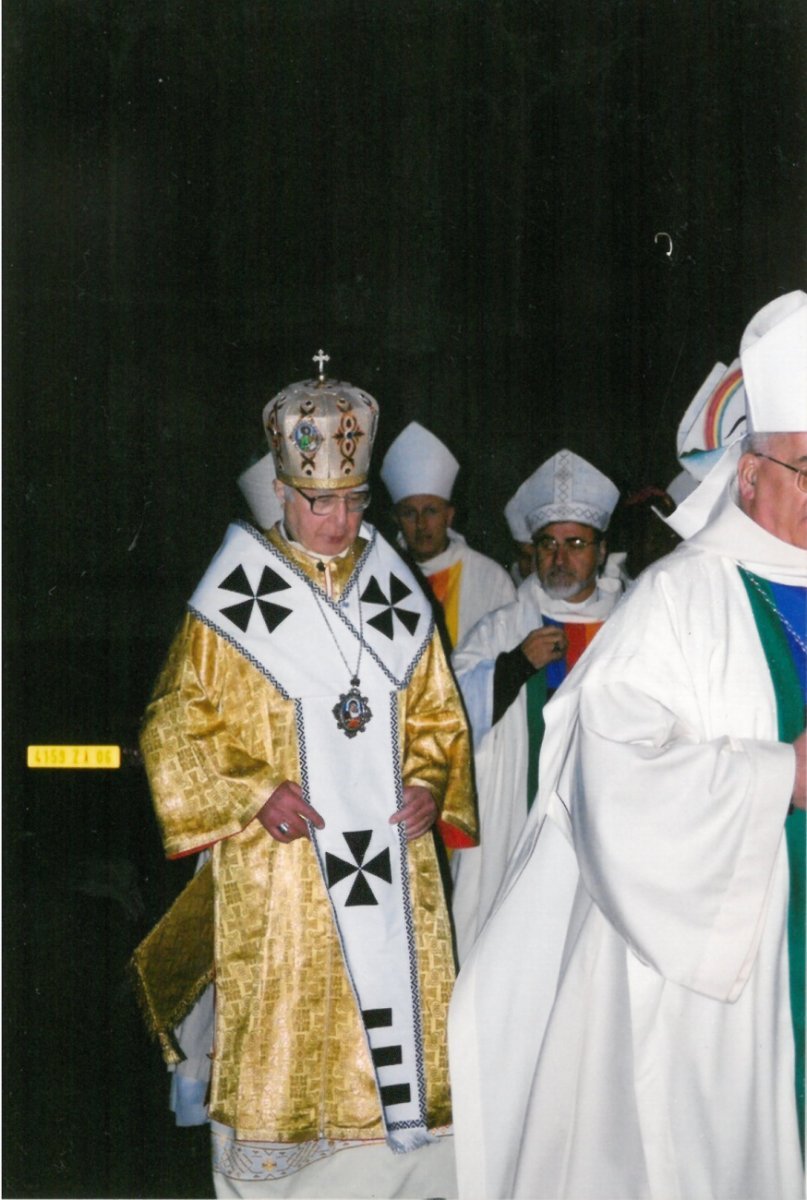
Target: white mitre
{"points": [[682, 486], [773, 354], [773, 357], [567, 488], [257, 485], [715, 417], [418, 464], [516, 509]]}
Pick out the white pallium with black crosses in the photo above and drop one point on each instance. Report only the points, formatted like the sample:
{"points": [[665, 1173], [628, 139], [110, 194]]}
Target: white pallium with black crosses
{"points": [[307, 646]]}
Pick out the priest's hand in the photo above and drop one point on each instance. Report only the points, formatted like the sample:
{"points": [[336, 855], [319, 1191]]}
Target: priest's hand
{"points": [[285, 813], [545, 645], [800, 782], [418, 813]]}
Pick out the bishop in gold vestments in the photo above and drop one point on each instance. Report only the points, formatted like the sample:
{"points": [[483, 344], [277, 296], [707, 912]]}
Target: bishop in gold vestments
{"points": [[221, 739]]}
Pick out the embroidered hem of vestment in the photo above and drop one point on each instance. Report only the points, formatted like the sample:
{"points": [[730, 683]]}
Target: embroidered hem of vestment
{"points": [[253, 1161]]}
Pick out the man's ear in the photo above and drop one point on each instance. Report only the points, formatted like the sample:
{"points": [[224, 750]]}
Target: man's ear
{"points": [[602, 553], [747, 469], [451, 512]]}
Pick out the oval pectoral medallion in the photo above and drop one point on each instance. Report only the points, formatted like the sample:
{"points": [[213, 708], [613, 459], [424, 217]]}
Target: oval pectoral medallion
{"points": [[352, 712]]}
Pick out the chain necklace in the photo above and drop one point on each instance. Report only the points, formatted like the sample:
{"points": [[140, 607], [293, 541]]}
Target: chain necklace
{"points": [[799, 640], [352, 712]]}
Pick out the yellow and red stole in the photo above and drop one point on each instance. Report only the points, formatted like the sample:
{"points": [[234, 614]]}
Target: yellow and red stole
{"points": [[446, 586]]}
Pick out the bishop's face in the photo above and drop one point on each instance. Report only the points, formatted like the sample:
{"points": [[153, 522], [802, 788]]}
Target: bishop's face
{"points": [[326, 534], [425, 521], [769, 493], [567, 558]]}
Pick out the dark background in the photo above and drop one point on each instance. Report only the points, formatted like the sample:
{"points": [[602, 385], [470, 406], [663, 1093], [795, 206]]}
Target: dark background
{"points": [[460, 202]]}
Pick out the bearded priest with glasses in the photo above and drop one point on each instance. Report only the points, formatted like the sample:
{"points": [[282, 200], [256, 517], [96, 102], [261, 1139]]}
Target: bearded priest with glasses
{"points": [[306, 736], [512, 661]]}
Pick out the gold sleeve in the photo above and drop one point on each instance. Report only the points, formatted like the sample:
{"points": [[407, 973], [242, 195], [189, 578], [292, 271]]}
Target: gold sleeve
{"points": [[437, 746], [217, 739]]}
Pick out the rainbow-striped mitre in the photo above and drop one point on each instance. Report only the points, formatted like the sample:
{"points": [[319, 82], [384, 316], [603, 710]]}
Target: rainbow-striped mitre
{"points": [[715, 418]]}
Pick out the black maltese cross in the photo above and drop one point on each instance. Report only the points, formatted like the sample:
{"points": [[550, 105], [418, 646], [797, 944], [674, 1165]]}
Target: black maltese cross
{"points": [[337, 868], [240, 613], [383, 621]]}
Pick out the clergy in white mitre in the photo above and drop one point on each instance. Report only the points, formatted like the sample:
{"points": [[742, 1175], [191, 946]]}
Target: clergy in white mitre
{"points": [[630, 1022], [307, 733], [514, 659], [257, 485], [419, 472], [516, 511]]}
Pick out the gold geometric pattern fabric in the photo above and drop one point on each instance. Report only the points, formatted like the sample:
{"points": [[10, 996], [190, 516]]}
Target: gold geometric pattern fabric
{"points": [[208, 739], [183, 939], [291, 1061]]}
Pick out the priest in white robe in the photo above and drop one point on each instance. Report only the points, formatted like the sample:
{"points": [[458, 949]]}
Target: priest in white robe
{"points": [[516, 657], [419, 472], [630, 1022]]}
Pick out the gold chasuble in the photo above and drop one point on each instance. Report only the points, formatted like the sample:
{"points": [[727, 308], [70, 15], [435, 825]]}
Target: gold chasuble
{"points": [[292, 1061]]}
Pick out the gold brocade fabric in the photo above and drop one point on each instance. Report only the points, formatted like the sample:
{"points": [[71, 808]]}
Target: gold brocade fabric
{"points": [[183, 938], [291, 1061]]}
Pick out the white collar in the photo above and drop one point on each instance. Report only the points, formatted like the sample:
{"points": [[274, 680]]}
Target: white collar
{"points": [[444, 559], [595, 607], [732, 534]]}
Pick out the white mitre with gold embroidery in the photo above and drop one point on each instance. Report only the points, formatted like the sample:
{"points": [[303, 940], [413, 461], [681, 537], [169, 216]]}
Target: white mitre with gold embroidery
{"points": [[321, 433]]}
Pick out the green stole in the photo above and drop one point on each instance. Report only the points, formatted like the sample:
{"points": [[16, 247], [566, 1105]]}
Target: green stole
{"points": [[536, 699], [790, 715], [544, 683]]}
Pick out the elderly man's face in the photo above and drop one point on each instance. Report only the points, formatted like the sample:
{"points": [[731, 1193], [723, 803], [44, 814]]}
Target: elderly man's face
{"points": [[768, 491], [329, 534], [424, 521], [566, 569]]}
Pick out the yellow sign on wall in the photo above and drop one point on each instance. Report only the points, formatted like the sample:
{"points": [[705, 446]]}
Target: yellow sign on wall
{"points": [[74, 757]]}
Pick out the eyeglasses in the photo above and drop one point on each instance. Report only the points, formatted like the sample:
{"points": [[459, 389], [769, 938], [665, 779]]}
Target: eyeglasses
{"points": [[573, 545], [801, 472], [321, 506]]}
